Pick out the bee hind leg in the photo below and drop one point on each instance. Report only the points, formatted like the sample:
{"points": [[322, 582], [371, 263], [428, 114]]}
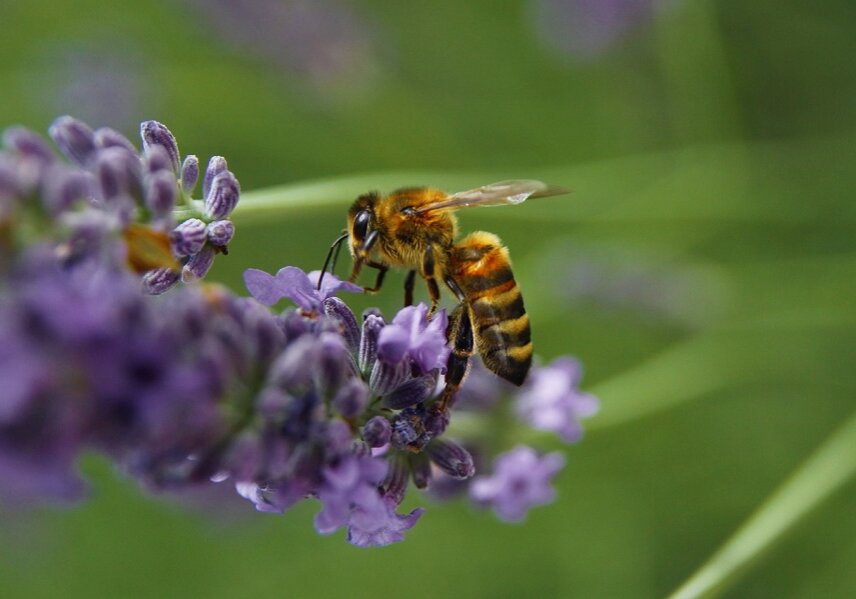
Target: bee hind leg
{"points": [[460, 334]]}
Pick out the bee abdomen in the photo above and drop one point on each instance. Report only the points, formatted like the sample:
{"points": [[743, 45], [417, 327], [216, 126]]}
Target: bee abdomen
{"points": [[482, 269]]}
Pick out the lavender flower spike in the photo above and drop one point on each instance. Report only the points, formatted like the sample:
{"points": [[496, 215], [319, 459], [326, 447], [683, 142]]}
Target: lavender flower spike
{"points": [[293, 283], [521, 480], [551, 401]]}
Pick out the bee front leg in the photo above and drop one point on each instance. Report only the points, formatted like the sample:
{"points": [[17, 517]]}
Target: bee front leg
{"points": [[381, 273], [428, 275]]}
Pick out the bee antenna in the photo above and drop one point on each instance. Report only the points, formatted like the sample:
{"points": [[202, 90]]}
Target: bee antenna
{"points": [[334, 254]]}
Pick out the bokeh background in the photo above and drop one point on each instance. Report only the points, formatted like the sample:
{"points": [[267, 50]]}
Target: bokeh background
{"points": [[703, 270]]}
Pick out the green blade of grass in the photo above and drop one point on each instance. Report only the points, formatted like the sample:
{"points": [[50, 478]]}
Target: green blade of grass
{"points": [[816, 479]]}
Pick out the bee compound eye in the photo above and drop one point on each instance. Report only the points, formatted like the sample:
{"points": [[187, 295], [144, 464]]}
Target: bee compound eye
{"points": [[361, 224]]}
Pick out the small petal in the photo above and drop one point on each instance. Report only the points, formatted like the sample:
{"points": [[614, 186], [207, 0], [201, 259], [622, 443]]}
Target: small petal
{"points": [[377, 529], [331, 284]]}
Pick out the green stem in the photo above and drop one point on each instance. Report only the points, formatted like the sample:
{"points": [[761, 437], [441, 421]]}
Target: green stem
{"points": [[826, 470]]}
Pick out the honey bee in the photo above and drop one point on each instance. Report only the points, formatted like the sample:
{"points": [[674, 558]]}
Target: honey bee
{"points": [[415, 229]]}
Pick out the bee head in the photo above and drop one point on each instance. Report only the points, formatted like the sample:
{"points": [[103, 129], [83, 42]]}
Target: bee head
{"points": [[360, 221]]}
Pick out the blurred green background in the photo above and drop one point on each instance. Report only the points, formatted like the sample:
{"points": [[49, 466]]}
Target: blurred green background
{"points": [[703, 269]]}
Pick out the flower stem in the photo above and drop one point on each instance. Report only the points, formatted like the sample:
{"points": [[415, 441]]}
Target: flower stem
{"points": [[827, 469]]}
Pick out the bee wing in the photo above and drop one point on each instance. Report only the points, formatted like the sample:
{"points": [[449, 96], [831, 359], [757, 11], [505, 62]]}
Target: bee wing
{"points": [[513, 191]]}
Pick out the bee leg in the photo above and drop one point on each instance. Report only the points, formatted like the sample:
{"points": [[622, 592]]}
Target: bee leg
{"points": [[409, 282], [460, 334], [381, 273], [428, 274]]}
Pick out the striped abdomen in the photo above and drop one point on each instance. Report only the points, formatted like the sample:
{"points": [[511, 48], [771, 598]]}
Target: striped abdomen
{"points": [[480, 266]]}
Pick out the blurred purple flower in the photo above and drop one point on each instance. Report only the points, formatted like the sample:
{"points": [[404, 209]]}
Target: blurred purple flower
{"points": [[551, 400], [520, 481], [351, 483], [99, 80], [586, 28], [326, 42], [296, 285], [378, 525]]}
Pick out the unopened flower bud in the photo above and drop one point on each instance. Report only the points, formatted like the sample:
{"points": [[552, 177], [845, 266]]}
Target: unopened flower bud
{"points": [[198, 265], [28, 144], [220, 232], [341, 313], [451, 458], [105, 137], [161, 192], [377, 431], [351, 398], [188, 237], [223, 195], [368, 341], [410, 393], [74, 138], [160, 280], [157, 134], [216, 165], [189, 173], [157, 159]]}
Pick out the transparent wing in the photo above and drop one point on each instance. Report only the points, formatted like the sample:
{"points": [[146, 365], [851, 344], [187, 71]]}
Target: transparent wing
{"points": [[513, 191]]}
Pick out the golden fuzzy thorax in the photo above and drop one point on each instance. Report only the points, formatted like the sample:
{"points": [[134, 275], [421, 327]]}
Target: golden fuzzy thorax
{"points": [[404, 236]]}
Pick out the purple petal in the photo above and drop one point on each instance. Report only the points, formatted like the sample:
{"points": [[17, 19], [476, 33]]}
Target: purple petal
{"points": [[393, 343], [332, 284], [261, 286]]}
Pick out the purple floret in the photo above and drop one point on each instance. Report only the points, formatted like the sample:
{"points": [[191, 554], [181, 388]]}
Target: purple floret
{"points": [[296, 285], [552, 401], [521, 480], [411, 334]]}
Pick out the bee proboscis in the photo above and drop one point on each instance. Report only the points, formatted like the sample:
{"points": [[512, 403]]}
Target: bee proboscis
{"points": [[415, 229]]}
